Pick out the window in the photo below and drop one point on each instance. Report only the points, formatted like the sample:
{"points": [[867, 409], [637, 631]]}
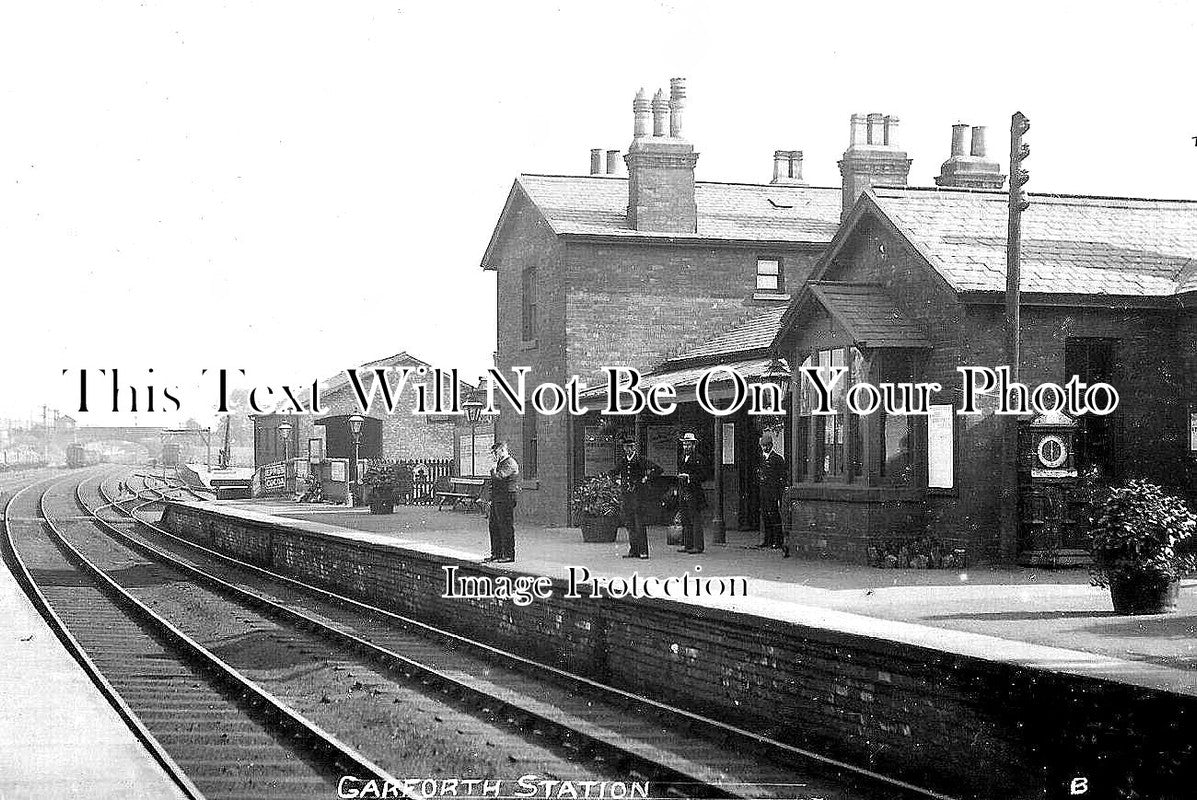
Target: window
{"points": [[846, 447], [768, 275], [528, 299], [528, 466]]}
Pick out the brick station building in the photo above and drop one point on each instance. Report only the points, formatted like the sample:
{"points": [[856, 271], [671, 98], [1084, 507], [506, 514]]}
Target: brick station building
{"points": [[671, 275], [606, 270], [912, 287]]}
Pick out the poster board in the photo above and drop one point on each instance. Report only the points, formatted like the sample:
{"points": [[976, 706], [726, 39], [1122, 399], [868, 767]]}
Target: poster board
{"points": [[941, 465], [598, 451]]}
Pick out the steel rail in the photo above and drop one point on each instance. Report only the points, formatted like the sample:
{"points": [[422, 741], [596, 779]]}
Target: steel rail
{"points": [[751, 741], [316, 740], [143, 735]]}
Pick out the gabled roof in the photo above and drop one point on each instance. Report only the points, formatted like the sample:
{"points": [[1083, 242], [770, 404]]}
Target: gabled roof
{"points": [[1071, 245], [869, 315], [597, 205]]}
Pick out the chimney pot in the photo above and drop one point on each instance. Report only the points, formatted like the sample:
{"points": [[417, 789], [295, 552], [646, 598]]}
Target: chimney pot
{"points": [[858, 134], [677, 102], [876, 130], [641, 110], [978, 147], [958, 131], [891, 131], [795, 165], [596, 161], [612, 162], [781, 165], [660, 113]]}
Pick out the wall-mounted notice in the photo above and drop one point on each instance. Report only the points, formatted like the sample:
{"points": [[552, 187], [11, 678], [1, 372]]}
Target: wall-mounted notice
{"points": [[941, 467], [729, 443]]}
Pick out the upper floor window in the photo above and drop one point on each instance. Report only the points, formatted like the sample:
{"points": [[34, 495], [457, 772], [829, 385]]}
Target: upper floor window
{"points": [[769, 276], [528, 295]]}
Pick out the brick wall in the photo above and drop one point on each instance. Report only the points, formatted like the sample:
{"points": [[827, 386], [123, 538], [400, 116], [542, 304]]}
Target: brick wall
{"points": [[955, 723]]}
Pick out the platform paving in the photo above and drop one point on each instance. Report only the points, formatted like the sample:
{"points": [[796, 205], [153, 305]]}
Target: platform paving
{"points": [[1051, 619], [60, 736]]}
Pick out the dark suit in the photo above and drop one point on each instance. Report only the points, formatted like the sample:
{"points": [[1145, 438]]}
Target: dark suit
{"points": [[633, 476], [772, 476], [504, 484], [692, 500]]}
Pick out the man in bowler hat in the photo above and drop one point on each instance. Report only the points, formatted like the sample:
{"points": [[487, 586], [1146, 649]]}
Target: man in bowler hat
{"points": [[692, 469], [771, 481], [633, 475], [504, 483]]}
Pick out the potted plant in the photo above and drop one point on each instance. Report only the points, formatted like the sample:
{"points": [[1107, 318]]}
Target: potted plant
{"points": [[382, 478], [595, 504], [1141, 541]]}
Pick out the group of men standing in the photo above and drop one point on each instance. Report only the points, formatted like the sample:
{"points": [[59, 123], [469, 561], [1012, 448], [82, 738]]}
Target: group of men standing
{"points": [[635, 474]]}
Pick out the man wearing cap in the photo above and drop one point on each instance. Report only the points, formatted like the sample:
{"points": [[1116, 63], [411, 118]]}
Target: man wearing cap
{"points": [[633, 476], [504, 483], [770, 483], [692, 470]]}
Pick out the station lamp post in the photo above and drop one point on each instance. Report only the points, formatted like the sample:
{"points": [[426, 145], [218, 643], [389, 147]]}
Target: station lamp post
{"points": [[284, 430], [473, 409], [355, 429]]}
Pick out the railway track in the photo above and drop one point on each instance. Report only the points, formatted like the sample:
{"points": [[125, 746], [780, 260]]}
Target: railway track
{"points": [[216, 733], [682, 754]]}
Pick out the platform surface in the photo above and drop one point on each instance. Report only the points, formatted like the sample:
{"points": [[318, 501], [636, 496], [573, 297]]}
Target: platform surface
{"points": [[60, 736], [1051, 619]]}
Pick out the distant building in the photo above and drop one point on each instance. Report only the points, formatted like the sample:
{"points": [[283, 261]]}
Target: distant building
{"points": [[401, 435]]}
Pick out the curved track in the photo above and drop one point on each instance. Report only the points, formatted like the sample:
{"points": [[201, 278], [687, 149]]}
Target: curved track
{"points": [[216, 732]]}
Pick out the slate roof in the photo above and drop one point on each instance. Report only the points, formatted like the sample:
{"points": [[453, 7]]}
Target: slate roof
{"points": [[598, 205], [1070, 244], [755, 333], [869, 315], [752, 370]]}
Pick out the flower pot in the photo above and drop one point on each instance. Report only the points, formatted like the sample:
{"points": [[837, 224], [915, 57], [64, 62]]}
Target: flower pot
{"points": [[382, 506], [1143, 594], [599, 529]]}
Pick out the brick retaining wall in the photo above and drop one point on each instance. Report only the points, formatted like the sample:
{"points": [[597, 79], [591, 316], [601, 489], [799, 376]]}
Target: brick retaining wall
{"points": [[960, 724]]}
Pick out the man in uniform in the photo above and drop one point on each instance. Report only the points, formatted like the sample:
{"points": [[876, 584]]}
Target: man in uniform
{"points": [[692, 469], [504, 483], [771, 481], [633, 475]]}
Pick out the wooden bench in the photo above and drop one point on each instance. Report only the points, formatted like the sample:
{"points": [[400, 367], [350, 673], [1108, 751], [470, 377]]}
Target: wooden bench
{"points": [[466, 492]]}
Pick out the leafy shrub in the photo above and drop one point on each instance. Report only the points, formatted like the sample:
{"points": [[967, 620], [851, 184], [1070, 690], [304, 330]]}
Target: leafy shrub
{"points": [[382, 473], [1138, 531], [597, 496]]}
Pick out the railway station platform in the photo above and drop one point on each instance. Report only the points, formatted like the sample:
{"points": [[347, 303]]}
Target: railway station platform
{"points": [[934, 675], [61, 737], [1015, 610]]}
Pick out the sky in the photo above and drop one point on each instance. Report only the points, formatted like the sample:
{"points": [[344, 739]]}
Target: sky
{"points": [[294, 188]]}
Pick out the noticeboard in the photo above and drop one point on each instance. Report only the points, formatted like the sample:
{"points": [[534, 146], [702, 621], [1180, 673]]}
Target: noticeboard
{"points": [[662, 447], [941, 466]]}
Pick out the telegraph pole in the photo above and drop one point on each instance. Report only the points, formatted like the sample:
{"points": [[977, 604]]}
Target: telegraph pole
{"points": [[1018, 203]]}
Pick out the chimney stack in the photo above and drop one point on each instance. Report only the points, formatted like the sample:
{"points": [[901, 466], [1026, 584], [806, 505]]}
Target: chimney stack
{"points": [[787, 167], [973, 171], [612, 162], [872, 157], [596, 161], [661, 167]]}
